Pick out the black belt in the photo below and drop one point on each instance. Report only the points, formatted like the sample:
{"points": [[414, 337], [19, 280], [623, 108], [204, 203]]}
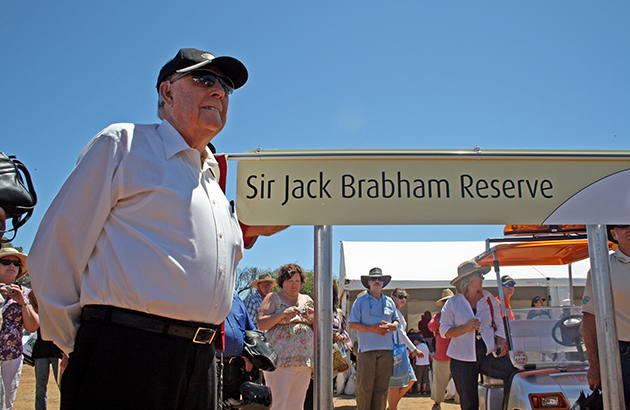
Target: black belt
{"points": [[197, 332], [232, 360]]}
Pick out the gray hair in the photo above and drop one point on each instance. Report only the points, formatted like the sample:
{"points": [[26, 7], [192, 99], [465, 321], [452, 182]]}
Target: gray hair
{"points": [[463, 284], [160, 107]]}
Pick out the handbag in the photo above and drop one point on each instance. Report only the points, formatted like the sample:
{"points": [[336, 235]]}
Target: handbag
{"points": [[594, 401], [259, 351], [401, 361], [339, 358], [17, 200]]}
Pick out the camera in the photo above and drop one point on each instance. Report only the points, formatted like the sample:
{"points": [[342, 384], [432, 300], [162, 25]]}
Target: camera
{"points": [[7, 289], [497, 352]]}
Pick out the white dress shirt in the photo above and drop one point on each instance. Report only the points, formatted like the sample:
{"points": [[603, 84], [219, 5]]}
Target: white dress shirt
{"points": [[141, 223], [457, 312], [620, 276]]}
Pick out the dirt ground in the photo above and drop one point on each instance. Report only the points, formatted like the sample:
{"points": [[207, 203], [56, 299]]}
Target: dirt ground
{"points": [[25, 399]]}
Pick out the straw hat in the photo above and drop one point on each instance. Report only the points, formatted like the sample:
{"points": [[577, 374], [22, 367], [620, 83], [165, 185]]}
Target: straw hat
{"points": [[375, 273], [265, 277], [468, 268], [21, 256], [446, 294]]}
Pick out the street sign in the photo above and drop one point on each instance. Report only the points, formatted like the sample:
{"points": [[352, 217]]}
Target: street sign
{"points": [[432, 187]]}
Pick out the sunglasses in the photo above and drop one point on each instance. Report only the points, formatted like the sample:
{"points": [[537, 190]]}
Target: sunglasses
{"points": [[7, 262], [401, 297], [208, 78], [376, 280], [508, 285], [479, 274]]}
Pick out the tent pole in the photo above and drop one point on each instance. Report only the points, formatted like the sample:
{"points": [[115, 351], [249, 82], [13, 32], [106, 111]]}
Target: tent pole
{"points": [[609, 361], [323, 383]]}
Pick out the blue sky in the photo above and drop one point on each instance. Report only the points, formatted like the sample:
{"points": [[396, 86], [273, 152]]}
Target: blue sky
{"points": [[326, 74]]}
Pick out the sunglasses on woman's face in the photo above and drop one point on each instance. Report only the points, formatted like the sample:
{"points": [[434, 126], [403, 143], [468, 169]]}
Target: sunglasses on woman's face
{"points": [[7, 262], [479, 274], [402, 297], [508, 285]]}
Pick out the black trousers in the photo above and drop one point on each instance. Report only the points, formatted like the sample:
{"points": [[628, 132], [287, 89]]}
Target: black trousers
{"points": [[466, 374], [118, 367]]}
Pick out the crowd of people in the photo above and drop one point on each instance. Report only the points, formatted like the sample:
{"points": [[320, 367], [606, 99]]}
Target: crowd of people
{"points": [[112, 315]]}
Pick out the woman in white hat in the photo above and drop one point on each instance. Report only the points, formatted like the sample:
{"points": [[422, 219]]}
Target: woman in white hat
{"points": [[472, 320], [17, 315]]}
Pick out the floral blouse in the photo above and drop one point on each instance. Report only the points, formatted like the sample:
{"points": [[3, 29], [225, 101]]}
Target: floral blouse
{"points": [[292, 340], [12, 328], [340, 326]]}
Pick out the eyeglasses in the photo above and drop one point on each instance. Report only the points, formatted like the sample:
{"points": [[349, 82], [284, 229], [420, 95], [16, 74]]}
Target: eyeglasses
{"points": [[479, 274], [508, 285], [7, 262], [401, 297], [376, 279], [208, 78]]}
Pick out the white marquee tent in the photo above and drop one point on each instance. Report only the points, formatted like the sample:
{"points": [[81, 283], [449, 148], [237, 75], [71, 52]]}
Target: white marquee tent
{"points": [[424, 269]]}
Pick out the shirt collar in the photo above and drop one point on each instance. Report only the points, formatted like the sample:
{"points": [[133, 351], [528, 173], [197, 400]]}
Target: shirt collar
{"points": [[174, 143], [622, 256], [172, 139]]}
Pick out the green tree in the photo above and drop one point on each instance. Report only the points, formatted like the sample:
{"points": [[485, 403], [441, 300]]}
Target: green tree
{"points": [[245, 276]]}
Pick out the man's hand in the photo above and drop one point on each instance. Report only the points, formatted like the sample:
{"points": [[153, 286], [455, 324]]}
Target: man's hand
{"points": [[248, 365], [382, 328], [263, 230]]}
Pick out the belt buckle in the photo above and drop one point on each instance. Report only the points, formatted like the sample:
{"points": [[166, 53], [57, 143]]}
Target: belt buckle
{"points": [[206, 340]]}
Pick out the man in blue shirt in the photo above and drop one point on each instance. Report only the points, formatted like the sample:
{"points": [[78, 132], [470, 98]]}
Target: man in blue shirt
{"points": [[236, 369], [373, 316]]}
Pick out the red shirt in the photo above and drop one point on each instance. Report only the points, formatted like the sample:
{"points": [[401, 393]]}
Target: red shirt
{"points": [[423, 327], [441, 344]]}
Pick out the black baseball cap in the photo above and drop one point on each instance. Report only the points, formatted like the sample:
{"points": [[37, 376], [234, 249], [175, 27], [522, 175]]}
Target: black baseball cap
{"points": [[537, 298], [189, 59]]}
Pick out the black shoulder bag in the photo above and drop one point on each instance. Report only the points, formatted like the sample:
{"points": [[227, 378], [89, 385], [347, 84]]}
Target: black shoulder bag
{"points": [[259, 351], [17, 200]]}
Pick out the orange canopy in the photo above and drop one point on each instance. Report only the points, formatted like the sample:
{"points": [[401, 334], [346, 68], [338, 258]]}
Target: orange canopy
{"points": [[558, 252]]}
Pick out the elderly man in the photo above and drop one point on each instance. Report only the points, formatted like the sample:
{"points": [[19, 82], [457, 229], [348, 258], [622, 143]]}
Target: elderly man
{"points": [[135, 260], [620, 276], [373, 316], [263, 287]]}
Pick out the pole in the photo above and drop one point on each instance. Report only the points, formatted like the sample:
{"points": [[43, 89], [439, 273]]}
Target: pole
{"points": [[608, 347], [323, 384]]}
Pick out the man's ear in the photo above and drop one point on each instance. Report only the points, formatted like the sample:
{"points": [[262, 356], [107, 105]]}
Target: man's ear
{"points": [[165, 92]]}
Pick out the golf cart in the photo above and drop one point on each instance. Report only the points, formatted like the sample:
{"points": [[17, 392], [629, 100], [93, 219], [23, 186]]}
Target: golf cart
{"points": [[548, 350]]}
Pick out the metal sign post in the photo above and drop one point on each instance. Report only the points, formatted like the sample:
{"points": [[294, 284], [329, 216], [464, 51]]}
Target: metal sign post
{"points": [[609, 361], [323, 386]]}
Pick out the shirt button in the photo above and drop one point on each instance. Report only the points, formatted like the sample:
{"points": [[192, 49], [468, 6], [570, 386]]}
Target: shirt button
{"points": [[220, 234], [216, 306], [221, 269], [214, 201]]}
